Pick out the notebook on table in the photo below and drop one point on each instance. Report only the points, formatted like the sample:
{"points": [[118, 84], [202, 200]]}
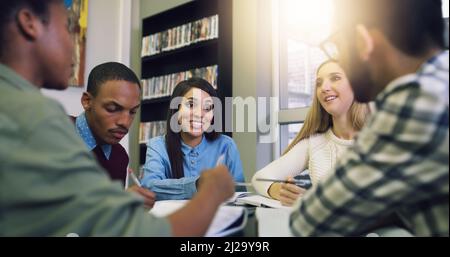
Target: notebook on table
{"points": [[227, 220], [248, 198]]}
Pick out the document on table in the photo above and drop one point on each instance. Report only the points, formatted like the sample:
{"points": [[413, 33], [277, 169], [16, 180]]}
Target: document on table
{"points": [[260, 201], [232, 200], [227, 220]]}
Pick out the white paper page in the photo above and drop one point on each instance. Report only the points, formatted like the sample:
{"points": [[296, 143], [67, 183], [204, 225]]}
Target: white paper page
{"points": [[224, 217], [165, 208], [238, 195], [273, 222]]}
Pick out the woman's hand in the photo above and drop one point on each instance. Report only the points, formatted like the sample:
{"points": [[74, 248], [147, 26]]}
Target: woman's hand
{"points": [[289, 193]]}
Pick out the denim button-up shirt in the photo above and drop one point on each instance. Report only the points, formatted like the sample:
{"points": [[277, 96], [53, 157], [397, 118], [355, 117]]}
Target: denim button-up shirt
{"points": [[204, 156]]}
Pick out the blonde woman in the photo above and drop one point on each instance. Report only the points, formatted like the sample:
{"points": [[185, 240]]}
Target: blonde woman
{"points": [[329, 129]]}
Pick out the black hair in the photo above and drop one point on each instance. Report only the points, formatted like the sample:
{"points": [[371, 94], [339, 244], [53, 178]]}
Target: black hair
{"points": [[173, 139], [109, 71], [412, 26], [9, 9]]}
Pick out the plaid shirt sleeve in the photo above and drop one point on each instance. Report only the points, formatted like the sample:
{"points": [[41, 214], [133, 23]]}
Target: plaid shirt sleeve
{"points": [[399, 159]]}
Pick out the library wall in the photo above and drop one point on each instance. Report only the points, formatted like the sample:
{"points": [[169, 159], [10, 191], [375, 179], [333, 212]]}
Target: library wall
{"points": [[245, 73], [252, 74]]}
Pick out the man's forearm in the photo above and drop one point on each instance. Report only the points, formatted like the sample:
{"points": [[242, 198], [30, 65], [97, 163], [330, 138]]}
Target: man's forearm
{"points": [[195, 218]]}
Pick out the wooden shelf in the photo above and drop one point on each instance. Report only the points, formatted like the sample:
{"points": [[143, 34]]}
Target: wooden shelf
{"points": [[156, 100], [180, 51]]}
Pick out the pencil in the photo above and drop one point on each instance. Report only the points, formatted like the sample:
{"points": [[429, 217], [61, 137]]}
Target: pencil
{"points": [[127, 180], [243, 184], [220, 159], [135, 179], [297, 182]]}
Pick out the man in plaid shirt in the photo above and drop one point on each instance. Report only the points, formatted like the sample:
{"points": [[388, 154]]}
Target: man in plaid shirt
{"points": [[392, 52]]}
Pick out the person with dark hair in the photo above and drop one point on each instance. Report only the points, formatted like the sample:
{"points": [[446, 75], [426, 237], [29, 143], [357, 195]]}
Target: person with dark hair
{"points": [[175, 161], [110, 104], [392, 53], [50, 184]]}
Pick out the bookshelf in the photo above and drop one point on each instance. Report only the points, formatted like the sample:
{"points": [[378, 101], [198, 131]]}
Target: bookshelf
{"points": [[193, 39]]}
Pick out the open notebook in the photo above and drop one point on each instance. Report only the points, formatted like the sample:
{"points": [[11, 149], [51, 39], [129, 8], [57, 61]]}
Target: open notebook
{"points": [[256, 200], [228, 219]]}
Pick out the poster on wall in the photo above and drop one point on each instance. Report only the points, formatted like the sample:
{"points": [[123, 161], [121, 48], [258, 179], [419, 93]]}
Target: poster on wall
{"points": [[78, 11]]}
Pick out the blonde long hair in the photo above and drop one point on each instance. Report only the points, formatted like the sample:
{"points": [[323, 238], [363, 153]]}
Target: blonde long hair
{"points": [[319, 121]]}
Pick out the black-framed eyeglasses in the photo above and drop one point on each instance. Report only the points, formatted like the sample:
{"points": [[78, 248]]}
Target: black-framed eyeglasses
{"points": [[329, 46]]}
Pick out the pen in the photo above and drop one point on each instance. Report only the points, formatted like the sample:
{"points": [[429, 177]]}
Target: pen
{"points": [[220, 160], [297, 182], [126, 180], [243, 184], [135, 179]]}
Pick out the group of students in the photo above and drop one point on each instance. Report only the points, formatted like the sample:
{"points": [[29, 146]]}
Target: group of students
{"points": [[175, 161], [367, 165]]}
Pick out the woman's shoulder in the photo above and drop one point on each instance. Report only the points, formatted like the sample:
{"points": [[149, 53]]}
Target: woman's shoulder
{"points": [[318, 137], [158, 141], [224, 140], [312, 142], [156, 147], [318, 140], [338, 141]]}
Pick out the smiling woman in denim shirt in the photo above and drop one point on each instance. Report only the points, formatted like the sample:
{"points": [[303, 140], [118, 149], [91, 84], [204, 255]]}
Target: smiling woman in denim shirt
{"points": [[175, 161]]}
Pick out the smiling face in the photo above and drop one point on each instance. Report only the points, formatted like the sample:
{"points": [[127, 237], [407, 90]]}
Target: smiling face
{"points": [[333, 89], [196, 112], [111, 113]]}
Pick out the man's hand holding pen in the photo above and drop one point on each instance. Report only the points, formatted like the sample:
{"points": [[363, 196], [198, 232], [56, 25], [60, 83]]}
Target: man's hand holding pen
{"points": [[149, 196], [218, 182]]}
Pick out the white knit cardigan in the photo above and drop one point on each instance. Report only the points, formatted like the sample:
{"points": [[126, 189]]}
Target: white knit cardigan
{"points": [[318, 154]]}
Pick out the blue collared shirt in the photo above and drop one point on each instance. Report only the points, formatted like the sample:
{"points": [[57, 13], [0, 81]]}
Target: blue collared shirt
{"points": [[196, 159], [85, 132]]}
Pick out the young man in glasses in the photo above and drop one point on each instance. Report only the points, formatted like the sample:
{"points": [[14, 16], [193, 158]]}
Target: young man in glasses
{"points": [[393, 53]]}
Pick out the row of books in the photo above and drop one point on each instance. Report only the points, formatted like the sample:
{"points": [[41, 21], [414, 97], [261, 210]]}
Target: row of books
{"points": [[181, 36], [152, 129], [162, 86]]}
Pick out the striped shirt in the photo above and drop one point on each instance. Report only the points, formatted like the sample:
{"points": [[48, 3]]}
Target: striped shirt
{"points": [[399, 164]]}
